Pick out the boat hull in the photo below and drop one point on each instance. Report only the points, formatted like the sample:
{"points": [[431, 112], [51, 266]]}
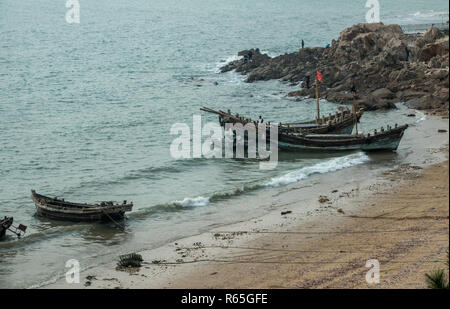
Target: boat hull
{"points": [[78, 217], [76, 212], [4, 225], [388, 141]]}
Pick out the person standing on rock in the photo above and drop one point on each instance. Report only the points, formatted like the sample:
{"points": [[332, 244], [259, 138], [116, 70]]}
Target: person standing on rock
{"points": [[308, 79], [353, 91], [355, 107], [303, 44]]}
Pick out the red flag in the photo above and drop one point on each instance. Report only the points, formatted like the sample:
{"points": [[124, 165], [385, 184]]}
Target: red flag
{"points": [[319, 76]]}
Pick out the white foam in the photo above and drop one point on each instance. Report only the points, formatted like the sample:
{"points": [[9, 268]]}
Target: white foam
{"points": [[271, 55], [429, 14], [226, 62], [319, 168], [193, 201], [422, 116]]}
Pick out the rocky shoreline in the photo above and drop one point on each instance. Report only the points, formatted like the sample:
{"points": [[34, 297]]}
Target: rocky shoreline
{"points": [[384, 64]]}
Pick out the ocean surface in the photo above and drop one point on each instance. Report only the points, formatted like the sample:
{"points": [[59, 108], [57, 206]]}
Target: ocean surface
{"points": [[86, 111]]}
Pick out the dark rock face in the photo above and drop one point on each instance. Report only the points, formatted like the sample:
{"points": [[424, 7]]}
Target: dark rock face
{"points": [[384, 64]]}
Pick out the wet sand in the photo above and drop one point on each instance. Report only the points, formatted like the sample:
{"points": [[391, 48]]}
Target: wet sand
{"points": [[316, 236], [405, 228]]}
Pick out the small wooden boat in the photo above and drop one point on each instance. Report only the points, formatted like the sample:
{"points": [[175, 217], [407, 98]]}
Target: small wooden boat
{"points": [[5, 223], [59, 209], [342, 122], [383, 140]]}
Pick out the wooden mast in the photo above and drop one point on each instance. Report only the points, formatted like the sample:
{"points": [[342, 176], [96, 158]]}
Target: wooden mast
{"points": [[354, 114], [317, 100]]}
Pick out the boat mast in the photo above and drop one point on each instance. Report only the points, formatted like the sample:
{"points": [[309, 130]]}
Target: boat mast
{"points": [[354, 114], [317, 100]]}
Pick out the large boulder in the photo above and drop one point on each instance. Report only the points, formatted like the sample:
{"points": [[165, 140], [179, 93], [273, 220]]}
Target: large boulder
{"points": [[431, 35], [394, 52], [409, 94], [339, 97], [438, 74], [364, 40], [371, 102], [244, 65], [441, 94], [383, 93], [431, 50], [424, 102]]}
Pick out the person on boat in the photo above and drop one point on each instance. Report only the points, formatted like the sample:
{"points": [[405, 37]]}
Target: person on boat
{"points": [[260, 119]]}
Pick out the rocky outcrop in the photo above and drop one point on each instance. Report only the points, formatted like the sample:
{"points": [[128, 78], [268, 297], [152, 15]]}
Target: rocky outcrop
{"points": [[385, 65]]}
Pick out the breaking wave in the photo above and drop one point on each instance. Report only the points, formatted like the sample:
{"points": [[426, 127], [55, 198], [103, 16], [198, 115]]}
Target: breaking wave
{"points": [[193, 202], [319, 168], [328, 166], [225, 62]]}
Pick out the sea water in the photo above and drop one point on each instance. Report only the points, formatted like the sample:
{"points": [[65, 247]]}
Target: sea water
{"points": [[86, 111]]}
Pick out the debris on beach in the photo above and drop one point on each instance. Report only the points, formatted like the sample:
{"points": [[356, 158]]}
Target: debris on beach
{"points": [[197, 244], [323, 199], [129, 261], [340, 211], [286, 212], [228, 235], [442, 131], [110, 279]]}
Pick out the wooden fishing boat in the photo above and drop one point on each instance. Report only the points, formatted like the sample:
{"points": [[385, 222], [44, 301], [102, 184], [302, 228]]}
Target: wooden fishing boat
{"points": [[382, 140], [341, 122], [59, 209], [5, 223]]}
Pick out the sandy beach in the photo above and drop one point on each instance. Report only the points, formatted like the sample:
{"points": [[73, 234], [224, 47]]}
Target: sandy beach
{"points": [[118, 170], [318, 234]]}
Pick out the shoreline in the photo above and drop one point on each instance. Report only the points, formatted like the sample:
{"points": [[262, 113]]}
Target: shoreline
{"points": [[248, 254]]}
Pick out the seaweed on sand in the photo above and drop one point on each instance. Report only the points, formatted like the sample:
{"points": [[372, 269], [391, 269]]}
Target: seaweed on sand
{"points": [[130, 260]]}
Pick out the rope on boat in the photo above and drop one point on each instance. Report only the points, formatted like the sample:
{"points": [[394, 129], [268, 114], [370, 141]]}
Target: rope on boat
{"points": [[115, 222]]}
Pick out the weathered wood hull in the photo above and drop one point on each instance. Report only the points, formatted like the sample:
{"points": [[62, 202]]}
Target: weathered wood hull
{"points": [[388, 140], [5, 223], [340, 123], [61, 210]]}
